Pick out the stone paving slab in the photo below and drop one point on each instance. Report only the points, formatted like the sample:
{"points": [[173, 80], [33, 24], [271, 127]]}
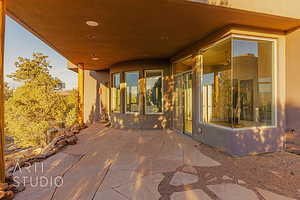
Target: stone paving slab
{"points": [[193, 157], [116, 178], [272, 196], [230, 191], [142, 188], [196, 194], [109, 195], [156, 166], [50, 169], [181, 178]]}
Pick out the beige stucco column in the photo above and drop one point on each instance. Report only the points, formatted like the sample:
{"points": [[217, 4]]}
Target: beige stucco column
{"points": [[81, 93], [2, 138]]}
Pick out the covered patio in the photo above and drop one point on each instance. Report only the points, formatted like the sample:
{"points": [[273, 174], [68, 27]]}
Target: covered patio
{"points": [[113, 164], [95, 35]]}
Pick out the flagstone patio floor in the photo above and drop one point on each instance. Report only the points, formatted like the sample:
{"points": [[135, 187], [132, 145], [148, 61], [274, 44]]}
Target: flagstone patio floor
{"points": [[114, 164]]}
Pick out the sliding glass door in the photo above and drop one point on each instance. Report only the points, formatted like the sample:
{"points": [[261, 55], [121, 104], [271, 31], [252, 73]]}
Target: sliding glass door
{"points": [[178, 103], [188, 107], [183, 103]]}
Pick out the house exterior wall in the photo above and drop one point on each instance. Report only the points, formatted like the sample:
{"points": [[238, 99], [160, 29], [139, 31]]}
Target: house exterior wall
{"points": [[237, 142], [141, 120], [287, 8], [96, 93], [293, 80]]}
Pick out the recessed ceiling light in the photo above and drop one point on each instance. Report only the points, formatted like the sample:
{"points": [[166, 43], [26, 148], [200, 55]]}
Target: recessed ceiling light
{"points": [[91, 37], [164, 37], [95, 58], [92, 23]]}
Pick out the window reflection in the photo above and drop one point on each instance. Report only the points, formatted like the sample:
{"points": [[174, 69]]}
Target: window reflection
{"points": [[183, 66], [132, 91], [237, 86], [216, 84], [154, 91], [253, 101], [115, 94]]}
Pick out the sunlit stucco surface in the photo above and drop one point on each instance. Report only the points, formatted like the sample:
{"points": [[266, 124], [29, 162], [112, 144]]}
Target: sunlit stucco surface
{"points": [[287, 8]]}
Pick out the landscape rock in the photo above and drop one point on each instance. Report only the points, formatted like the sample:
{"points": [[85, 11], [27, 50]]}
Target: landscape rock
{"points": [[189, 169], [75, 128], [108, 124], [75, 132], [62, 143], [241, 182], [62, 139], [9, 195], [51, 134], [3, 186], [2, 194], [9, 179], [52, 148], [72, 140], [17, 189], [226, 178]]}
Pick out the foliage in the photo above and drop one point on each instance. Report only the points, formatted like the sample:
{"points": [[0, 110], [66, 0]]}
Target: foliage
{"points": [[35, 71], [36, 105], [7, 91], [72, 108]]}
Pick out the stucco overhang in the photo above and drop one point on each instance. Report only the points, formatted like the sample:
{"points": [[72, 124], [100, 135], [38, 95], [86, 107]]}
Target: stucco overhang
{"points": [[130, 29]]}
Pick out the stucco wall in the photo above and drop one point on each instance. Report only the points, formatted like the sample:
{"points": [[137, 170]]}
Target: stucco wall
{"points": [[293, 80], [287, 8], [95, 95], [141, 120]]}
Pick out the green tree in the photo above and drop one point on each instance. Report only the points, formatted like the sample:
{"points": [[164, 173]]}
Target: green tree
{"points": [[7, 91], [72, 108], [36, 105]]}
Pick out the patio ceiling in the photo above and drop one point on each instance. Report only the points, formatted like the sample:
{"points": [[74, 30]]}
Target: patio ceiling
{"points": [[129, 29]]}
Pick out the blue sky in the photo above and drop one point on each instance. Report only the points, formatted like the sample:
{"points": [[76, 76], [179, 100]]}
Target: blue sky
{"points": [[21, 43], [242, 47]]}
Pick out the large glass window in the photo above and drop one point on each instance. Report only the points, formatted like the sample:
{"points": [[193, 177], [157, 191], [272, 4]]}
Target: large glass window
{"points": [[253, 96], [132, 91], [238, 83], [183, 65], [115, 93], [154, 91], [216, 84]]}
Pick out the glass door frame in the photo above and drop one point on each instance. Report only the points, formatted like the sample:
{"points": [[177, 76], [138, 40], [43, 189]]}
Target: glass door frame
{"points": [[181, 76], [178, 125]]}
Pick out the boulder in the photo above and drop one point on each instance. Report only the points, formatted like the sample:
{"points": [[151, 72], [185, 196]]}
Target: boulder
{"points": [[51, 134], [61, 143], [72, 140], [3, 186], [2, 194], [9, 195], [17, 189], [108, 124]]}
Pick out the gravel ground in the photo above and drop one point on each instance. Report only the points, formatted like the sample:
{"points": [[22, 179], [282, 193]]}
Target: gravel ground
{"points": [[277, 172]]}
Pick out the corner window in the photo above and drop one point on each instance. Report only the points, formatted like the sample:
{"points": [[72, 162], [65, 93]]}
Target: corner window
{"points": [[154, 91], [132, 92], [115, 93], [253, 93], [216, 84], [238, 83]]}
